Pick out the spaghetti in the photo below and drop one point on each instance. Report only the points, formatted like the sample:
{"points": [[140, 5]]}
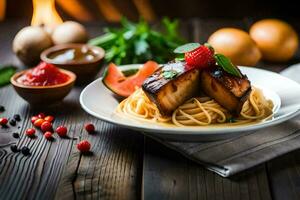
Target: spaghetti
{"points": [[200, 111]]}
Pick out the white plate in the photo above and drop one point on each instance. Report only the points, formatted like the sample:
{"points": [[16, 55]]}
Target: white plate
{"points": [[98, 101]]}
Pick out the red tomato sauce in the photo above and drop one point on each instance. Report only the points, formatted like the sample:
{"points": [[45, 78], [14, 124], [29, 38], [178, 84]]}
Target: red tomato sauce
{"points": [[44, 74]]}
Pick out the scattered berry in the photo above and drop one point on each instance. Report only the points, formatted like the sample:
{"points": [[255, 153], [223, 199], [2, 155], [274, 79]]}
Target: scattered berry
{"points": [[90, 128], [17, 117], [41, 115], [49, 118], [84, 146], [30, 132], [201, 57], [46, 126], [2, 108], [16, 135], [12, 122], [62, 131], [38, 122], [34, 118], [48, 135], [14, 148], [3, 121], [25, 151]]}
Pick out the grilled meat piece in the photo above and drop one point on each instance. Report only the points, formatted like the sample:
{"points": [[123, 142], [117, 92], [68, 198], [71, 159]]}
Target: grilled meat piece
{"points": [[169, 93], [229, 91]]}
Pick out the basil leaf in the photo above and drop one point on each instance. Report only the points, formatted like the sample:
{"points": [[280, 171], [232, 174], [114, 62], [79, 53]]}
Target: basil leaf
{"points": [[169, 74], [180, 57], [187, 48], [227, 65], [5, 73]]}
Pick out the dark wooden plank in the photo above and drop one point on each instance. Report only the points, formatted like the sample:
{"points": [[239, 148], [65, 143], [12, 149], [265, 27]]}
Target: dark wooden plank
{"points": [[112, 172], [56, 169], [113, 168], [167, 175], [284, 175]]}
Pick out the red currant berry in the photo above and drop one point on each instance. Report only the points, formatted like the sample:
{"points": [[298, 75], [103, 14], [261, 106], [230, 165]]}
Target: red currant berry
{"points": [[48, 135], [90, 128], [46, 126], [84, 146], [49, 118], [3, 121], [38, 122], [34, 118], [41, 115], [30, 132], [62, 131]]}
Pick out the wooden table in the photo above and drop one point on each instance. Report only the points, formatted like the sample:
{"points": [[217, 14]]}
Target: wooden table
{"points": [[124, 164]]}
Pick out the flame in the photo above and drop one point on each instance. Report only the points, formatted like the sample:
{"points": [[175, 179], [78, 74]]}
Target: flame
{"points": [[109, 11], [44, 13], [2, 9], [73, 7]]}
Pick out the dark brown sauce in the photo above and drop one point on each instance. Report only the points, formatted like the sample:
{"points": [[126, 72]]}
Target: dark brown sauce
{"points": [[79, 54]]}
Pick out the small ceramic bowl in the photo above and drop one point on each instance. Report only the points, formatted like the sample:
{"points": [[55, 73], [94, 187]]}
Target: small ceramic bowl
{"points": [[85, 70], [43, 95]]}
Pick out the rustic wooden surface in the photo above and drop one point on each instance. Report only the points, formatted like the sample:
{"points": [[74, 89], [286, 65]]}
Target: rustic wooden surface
{"points": [[124, 164]]}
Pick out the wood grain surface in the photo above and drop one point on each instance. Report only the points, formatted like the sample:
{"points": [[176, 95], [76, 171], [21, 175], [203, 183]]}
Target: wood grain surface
{"points": [[124, 164]]}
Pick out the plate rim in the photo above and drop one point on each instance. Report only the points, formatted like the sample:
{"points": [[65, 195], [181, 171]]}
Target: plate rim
{"points": [[192, 130]]}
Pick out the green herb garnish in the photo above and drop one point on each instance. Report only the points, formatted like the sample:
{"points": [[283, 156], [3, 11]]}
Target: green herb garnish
{"points": [[179, 57], [187, 48], [169, 74], [6, 73], [227, 65], [138, 42]]}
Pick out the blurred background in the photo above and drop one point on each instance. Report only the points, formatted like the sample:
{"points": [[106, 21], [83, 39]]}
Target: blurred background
{"points": [[198, 20], [112, 10]]}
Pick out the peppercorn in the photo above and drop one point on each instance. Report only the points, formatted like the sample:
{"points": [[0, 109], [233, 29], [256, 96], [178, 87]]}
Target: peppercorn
{"points": [[12, 122], [2, 108], [17, 117], [14, 148], [25, 151], [16, 135]]}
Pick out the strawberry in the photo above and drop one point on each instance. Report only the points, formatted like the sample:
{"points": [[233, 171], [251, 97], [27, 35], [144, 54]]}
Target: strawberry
{"points": [[201, 57], [84, 146]]}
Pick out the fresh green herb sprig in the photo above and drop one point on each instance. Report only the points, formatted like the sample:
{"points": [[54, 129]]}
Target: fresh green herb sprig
{"points": [[138, 42], [6, 73], [227, 65], [169, 74]]}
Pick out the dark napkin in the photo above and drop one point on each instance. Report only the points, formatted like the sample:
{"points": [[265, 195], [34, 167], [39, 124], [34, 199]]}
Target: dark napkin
{"points": [[231, 156]]}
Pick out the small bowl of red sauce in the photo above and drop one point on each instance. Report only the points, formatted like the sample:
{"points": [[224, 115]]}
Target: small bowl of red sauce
{"points": [[82, 59], [44, 84]]}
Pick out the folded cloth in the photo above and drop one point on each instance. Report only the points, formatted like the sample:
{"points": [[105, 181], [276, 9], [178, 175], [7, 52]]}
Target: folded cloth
{"points": [[231, 156]]}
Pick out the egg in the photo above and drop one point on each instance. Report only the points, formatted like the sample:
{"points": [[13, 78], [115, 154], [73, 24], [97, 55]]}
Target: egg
{"points": [[69, 32], [237, 45], [276, 39]]}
